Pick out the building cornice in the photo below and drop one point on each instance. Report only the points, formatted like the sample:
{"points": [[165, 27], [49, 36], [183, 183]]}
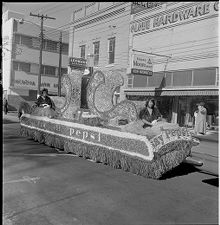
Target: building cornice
{"points": [[98, 13], [105, 16]]}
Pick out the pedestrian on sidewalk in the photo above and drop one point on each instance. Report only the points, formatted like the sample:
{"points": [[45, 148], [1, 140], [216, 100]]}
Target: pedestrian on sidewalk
{"points": [[200, 119], [5, 102]]}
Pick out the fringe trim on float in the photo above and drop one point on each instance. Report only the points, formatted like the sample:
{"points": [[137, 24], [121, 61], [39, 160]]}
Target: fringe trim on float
{"points": [[150, 169]]}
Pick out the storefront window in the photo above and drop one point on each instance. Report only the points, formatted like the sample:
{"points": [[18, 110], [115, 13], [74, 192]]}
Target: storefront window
{"points": [[205, 77], [168, 79], [187, 107], [139, 81], [164, 105], [182, 78], [156, 80]]}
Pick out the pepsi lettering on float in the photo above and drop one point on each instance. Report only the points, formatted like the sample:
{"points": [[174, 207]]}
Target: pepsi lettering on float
{"points": [[142, 65], [88, 135], [168, 136], [178, 16]]}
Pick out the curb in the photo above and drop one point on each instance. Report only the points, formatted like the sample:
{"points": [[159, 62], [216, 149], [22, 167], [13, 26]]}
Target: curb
{"points": [[203, 155], [206, 139]]}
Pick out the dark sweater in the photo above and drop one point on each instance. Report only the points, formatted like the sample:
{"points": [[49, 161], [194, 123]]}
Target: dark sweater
{"points": [[41, 101], [144, 114]]}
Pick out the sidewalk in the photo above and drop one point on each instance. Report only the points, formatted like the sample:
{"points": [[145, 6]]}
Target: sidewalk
{"points": [[11, 116], [211, 135]]}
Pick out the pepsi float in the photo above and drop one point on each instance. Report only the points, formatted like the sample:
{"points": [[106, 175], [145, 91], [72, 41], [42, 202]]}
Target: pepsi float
{"points": [[98, 133]]}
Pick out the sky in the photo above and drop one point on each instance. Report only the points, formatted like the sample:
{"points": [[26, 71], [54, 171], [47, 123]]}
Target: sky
{"points": [[60, 10]]}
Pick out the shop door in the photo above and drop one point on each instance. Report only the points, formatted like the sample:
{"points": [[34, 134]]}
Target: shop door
{"points": [[165, 107]]}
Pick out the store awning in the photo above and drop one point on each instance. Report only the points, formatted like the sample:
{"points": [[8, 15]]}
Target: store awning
{"points": [[172, 92]]}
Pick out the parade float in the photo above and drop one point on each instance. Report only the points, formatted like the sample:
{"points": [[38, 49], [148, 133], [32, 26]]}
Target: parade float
{"points": [[107, 132]]}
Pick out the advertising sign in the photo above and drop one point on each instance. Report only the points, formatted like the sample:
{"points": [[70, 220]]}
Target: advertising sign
{"points": [[77, 63], [188, 13], [141, 65], [28, 81]]}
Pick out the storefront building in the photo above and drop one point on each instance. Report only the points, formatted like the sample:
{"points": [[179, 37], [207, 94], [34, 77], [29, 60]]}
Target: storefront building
{"points": [[101, 30], [21, 50], [181, 38]]}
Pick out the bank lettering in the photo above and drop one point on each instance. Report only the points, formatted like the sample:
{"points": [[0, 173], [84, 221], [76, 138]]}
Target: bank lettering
{"points": [[142, 65], [25, 82]]}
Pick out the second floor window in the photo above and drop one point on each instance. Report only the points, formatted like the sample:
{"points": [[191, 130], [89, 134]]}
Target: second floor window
{"points": [[96, 52], [111, 51], [34, 42], [22, 66], [63, 71], [50, 46], [48, 70], [83, 51]]}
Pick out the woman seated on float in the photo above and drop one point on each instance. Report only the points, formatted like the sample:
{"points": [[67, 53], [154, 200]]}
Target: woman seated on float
{"points": [[150, 115], [44, 100], [44, 105]]}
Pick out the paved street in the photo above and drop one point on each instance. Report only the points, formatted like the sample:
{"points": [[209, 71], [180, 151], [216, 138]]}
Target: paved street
{"points": [[42, 186]]}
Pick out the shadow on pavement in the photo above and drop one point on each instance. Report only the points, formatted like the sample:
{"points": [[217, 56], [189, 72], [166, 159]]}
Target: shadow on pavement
{"points": [[181, 170], [213, 182], [5, 121]]}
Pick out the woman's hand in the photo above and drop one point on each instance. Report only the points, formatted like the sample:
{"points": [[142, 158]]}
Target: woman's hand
{"points": [[146, 122], [159, 119]]}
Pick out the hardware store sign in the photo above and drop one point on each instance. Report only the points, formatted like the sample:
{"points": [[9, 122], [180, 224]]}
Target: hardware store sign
{"points": [[142, 65], [177, 16]]}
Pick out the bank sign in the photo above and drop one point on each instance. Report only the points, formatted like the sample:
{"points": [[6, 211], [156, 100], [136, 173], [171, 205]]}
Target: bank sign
{"points": [[141, 65]]}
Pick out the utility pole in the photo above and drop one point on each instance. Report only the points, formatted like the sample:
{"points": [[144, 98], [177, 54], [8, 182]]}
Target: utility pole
{"points": [[60, 65], [41, 47]]}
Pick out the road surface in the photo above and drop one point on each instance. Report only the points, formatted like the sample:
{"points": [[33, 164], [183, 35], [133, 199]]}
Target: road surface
{"points": [[42, 186]]}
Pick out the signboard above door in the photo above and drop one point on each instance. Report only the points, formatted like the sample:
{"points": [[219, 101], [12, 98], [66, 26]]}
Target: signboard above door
{"points": [[77, 63]]}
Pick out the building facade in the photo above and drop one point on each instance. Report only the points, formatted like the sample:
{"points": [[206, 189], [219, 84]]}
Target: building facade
{"points": [[21, 44], [182, 40], [101, 29]]}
